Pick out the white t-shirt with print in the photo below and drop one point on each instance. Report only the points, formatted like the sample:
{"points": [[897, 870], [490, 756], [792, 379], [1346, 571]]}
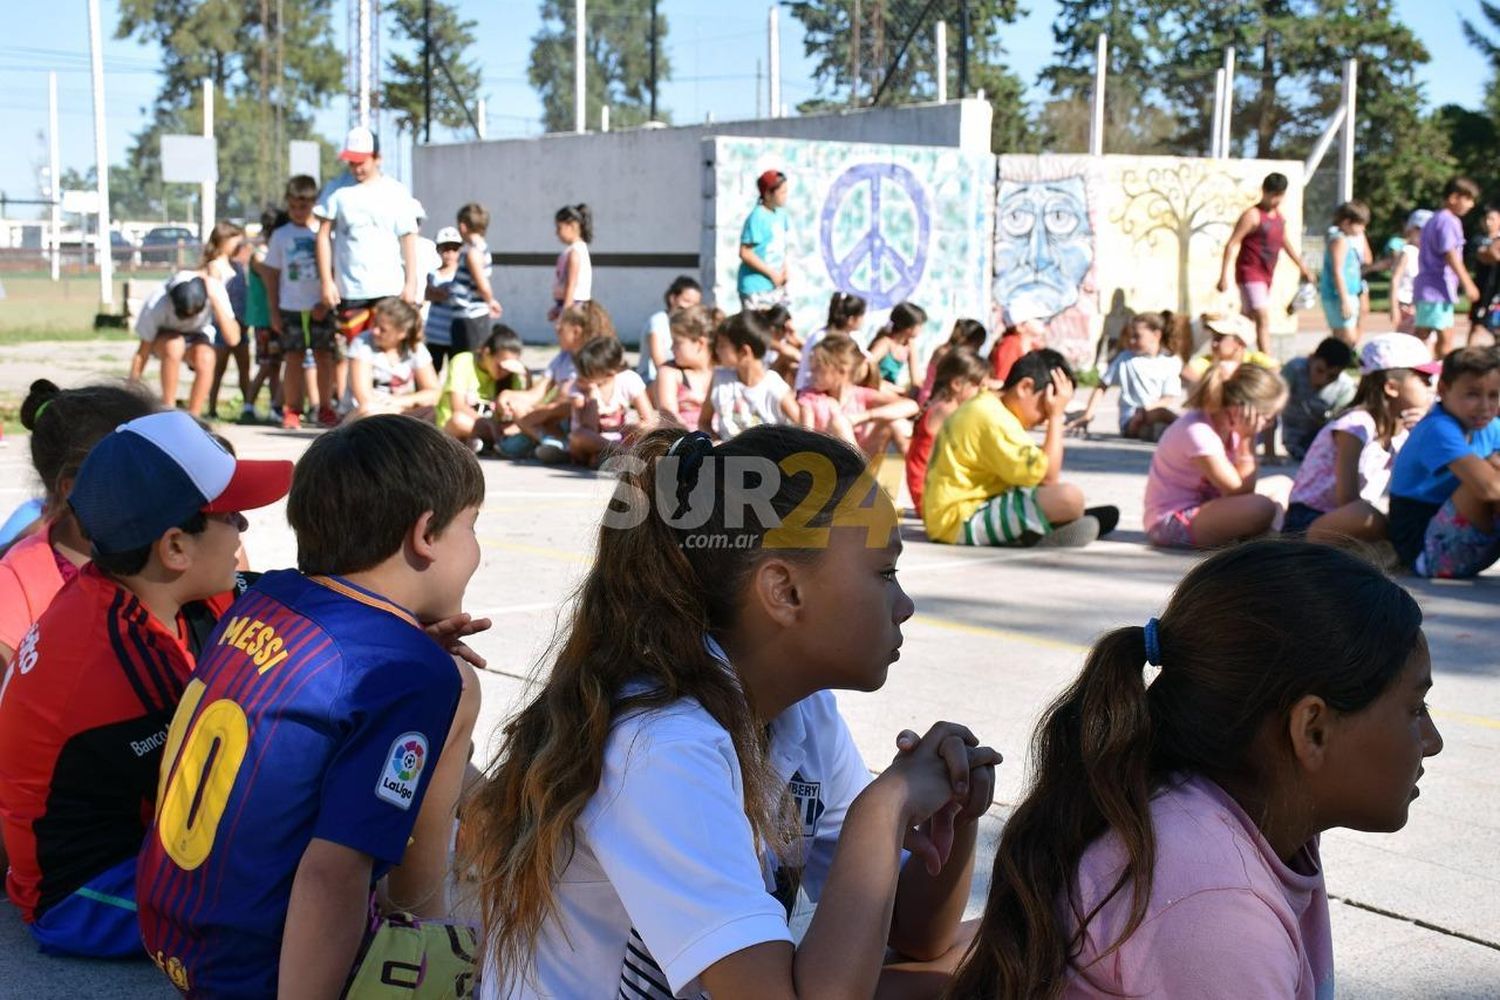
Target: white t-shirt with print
{"points": [[391, 376], [369, 221], [739, 407], [666, 878], [292, 251]]}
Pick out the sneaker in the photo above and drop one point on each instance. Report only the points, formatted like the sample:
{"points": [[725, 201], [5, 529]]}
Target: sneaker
{"points": [[327, 417], [553, 451], [247, 415], [1108, 518], [291, 420], [1073, 535], [276, 412], [517, 446]]}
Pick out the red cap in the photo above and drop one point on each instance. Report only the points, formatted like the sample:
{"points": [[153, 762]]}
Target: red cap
{"points": [[254, 484], [770, 181]]}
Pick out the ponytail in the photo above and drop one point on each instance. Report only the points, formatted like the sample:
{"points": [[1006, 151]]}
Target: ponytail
{"points": [[1248, 385], [580, 214], [843, 309], [65, 424]]}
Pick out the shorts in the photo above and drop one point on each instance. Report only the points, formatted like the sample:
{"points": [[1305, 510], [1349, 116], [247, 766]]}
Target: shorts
{"points": [[469, 333], [98, 920], [267, 347], [301, 332], [1254, 295], [1434, 315], [1299, 517], [1005, 519], [1453, 549], [352, 318], [764, 300], [1174, 530], [1333, 312]]}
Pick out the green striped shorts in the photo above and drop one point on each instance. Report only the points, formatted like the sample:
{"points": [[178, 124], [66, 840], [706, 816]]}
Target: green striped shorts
{"points": [[1004, 518]]}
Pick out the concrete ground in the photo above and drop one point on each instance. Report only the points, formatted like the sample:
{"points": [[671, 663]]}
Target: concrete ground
{"points": [[996, 635]]}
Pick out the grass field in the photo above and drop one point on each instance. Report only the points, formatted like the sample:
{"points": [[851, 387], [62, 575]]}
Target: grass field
{"points": [[37, 308]]}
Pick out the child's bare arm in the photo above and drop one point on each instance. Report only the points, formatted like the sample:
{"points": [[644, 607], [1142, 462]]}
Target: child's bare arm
{"points": [[1455, 259], [325, 921], [1232, 248]]}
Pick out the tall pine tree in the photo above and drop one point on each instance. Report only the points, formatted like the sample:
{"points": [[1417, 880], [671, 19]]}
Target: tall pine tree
{"points": [[617, 47], [455, 92]]}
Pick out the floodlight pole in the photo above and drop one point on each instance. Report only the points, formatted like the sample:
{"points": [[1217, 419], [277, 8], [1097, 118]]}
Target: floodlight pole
{"points": [[427, 70], [208, 196], [1216, 130], [1227, 122], [54, 190], [653, 61], [773, 62], [1346, 144], [1096, 120], [940, 42], [101, 157], [579, 110]]}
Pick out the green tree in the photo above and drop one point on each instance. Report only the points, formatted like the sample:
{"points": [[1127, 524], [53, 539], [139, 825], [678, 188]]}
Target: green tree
{"points": [[1477, 36], [617, 51], [454, 93], [857, 46], [238, 44]]}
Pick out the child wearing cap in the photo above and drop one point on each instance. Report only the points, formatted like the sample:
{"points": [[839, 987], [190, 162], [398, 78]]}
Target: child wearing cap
{"points": [[1317, 388], [1441, 273], [470, 296], [764, 245], [1404, 271], [177, 323], [1226, 342], [987, 481], [319, 750], [1347, 469], [438, 324], [1445, 489], [84, 709], [299, 317]]}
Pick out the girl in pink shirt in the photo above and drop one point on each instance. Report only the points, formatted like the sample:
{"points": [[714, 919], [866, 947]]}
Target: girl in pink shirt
{"points": [[64, 426], [1168, 844], [869, 418]]}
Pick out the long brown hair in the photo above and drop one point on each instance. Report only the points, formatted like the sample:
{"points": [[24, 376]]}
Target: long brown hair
{"points": [[1248, 385], [1247, 633], [1371, 397], [218, 238], [641, 614]]}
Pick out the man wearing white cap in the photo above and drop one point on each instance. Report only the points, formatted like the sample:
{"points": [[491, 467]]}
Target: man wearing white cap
{"points": [[367, 243]]}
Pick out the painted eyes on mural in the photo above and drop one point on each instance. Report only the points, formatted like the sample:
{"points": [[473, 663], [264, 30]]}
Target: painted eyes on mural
{"points": [[1018, 221], [1061, 219]]}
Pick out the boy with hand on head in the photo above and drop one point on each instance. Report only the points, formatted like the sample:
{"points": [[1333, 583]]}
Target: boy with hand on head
{"points": [[85, 707], [299, 318], [1317, 388], [1255, 246], [319, 751], [1445, 489], [989, 484], [1441, 273]]}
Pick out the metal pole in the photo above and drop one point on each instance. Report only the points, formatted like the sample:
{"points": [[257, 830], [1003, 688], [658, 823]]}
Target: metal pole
{"points": [[1101, 70], [773, 62], [579, 110], [427, 70], [1216, 130], [854, 67], [481, 118], [1320, 149], [940, 42], [604, 118], [1227, 122], [653, 60], [963, 48], [101, 157], [362, 114], [209, 198], [54, 180], [1346, 145]]}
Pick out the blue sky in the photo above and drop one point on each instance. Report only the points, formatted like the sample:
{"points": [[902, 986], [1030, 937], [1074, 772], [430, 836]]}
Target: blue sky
{"points": [[714, 48]]}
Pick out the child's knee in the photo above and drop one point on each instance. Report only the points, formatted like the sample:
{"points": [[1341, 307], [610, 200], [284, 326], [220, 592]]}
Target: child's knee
{"points": [[1061, 502]]}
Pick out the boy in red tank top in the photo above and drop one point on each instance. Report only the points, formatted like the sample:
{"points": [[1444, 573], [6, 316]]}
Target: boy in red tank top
{"points": [[1257, 243]]}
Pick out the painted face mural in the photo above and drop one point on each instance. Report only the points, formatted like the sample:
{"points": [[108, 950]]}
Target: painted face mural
{"points": [[1044, 243]]}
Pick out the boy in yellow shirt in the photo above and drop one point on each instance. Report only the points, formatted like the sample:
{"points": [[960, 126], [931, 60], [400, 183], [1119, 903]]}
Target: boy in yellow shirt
{"points": [[989, 484]]}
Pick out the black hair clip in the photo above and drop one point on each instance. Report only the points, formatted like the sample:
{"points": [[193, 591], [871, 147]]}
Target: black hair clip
{"points": [[690, 450]]}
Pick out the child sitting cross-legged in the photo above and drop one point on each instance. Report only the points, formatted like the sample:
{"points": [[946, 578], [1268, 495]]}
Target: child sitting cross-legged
{"points": [[1149, 374], [1445, 489], [1168, 843], [610, 402], [314, 764], [1345, 473], [390, 367], [471, 383], [682, 380], [989, 484], [833, 404], [1200, 490], [541, 412], [744, 393], [957, 378]]}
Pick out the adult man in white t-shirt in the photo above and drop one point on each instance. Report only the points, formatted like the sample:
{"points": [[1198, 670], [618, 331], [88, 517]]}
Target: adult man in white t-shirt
{"points": [[367, 241]]}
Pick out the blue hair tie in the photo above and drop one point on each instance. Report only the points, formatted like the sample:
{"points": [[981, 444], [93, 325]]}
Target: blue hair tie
{"points": [[690, 450], [1153, 643]]}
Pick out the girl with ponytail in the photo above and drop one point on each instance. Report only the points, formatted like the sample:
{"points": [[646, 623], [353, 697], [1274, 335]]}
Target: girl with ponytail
{"points": [[1168, 843], [574, 284], [683, 767], [1200, 490]]}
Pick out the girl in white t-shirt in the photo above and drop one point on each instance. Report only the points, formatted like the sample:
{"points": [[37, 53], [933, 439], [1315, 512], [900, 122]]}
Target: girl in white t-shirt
{"points": [[610, 403], [684, 768], [656, 339], [1149, 374], [744, 393], [574, 284], [1347, 469], [390, 368], [1168, 843]]}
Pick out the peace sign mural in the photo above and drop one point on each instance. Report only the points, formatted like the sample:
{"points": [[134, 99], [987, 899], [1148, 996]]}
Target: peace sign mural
{"points": [[874, 231]]}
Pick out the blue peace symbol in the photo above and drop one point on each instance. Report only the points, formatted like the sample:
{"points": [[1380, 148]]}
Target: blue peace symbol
{"points": [[891, 273]]}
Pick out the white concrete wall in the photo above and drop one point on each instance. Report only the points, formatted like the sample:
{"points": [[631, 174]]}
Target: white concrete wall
{"points": [[647, 189]]}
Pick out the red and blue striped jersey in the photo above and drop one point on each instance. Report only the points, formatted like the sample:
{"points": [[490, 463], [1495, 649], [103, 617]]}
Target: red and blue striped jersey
{"points": [[317, 710]]}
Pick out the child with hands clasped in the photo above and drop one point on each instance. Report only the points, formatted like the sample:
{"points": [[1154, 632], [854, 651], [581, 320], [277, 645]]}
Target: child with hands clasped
{"points": [[390, 368], [1168, 843], [1200, 490], [609, 402], [1149, 375], [655, 807], [1348, 466], [833, 404]]}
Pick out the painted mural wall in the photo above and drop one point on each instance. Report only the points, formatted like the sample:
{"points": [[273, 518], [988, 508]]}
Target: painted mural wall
{"points": [[1088, 241], [885, 222]]}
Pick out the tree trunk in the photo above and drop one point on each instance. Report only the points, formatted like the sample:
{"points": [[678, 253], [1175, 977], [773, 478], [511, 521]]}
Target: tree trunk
{"points": [[1265, 124]]}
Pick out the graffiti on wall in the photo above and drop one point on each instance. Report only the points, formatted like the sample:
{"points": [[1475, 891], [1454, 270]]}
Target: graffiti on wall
{"points": [[1094, 241], [888, 223]]}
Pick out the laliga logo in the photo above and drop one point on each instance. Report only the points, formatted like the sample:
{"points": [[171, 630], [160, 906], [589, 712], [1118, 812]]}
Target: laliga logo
{"points": [[407, 760], [403, 765]]}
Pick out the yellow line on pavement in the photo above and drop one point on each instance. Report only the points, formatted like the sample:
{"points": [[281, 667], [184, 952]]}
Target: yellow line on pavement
{"points": [[999, 633], [1465, 718], [545, 551]]}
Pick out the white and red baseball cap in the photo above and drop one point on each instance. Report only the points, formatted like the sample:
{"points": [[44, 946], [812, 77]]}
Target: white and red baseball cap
{"points": [[1397, 350], [155, 472], [359, 145]]}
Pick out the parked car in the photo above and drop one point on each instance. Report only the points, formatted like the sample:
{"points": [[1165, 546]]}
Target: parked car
{"points": [[120, 247], [160, 245]]}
